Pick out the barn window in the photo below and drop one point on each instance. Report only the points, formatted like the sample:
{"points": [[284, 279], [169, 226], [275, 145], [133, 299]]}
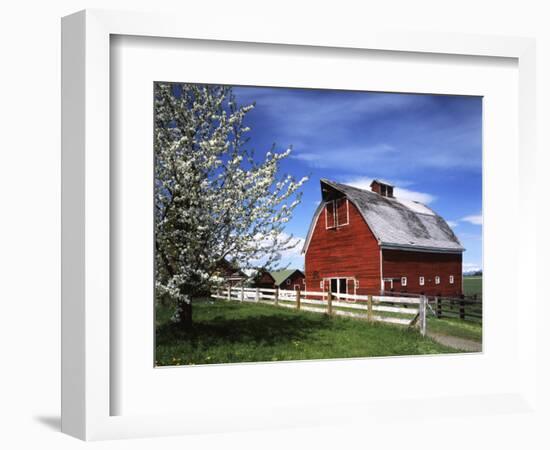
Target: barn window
{"points": [[337, 213], [437, 280], [421, 281], [356, 284], [288, 281], [330, 215], [304, 281], [322, 284], [342, 286], [338, 285], [451, 279], [403, 281], [342, 212]]}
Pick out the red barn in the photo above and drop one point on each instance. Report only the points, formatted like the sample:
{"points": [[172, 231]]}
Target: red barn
{"points": [[368, 242]]}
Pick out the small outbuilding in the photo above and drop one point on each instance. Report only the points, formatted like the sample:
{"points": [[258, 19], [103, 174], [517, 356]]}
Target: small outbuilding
{"points": [[283, 279], [229, 273]]}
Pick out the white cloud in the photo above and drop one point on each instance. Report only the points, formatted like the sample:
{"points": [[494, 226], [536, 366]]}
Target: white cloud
{"points": [[452, 223], [405, 131], [470, 267], [475, 219], [298, 243], [405, 194], [293, 257]]}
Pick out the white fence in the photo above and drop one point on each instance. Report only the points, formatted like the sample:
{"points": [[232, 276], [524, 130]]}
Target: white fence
{"points": [[409, 311]]}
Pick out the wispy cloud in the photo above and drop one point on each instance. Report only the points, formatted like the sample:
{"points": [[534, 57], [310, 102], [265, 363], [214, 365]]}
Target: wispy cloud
{"points": [[475, 219], [347, 158], [353, 130], [452, 223], [399, 192]]}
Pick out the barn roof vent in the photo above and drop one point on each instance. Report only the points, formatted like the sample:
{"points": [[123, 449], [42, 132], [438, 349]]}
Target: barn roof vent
{"points": [[382, 188]]}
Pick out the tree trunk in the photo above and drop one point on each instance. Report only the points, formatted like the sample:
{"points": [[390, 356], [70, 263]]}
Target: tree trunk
{"points": [[184, 312]]}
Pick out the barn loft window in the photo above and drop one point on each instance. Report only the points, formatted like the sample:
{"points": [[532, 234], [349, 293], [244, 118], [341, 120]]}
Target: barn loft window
{"points": [[337, 213], [330, 215], [437, 280], [451, 279], [421, 281], [403, 281]]}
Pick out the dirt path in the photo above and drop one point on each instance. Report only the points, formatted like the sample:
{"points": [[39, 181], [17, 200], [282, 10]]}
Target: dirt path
{"points": [[458, 343]]}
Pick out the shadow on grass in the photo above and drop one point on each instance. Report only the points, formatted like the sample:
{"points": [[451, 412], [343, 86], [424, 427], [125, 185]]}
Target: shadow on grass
{"points": [[265, 328]]}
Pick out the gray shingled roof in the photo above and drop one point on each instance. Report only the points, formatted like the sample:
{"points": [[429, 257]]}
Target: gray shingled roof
{"points": [[397, 223]]}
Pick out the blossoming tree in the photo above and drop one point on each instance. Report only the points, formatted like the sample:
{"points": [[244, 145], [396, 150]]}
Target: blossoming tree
{"points": [[214, 200]]}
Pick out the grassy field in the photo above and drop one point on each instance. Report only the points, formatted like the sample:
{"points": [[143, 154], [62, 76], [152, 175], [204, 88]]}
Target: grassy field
{"points": [[473, 285], [455, 327], [225, 332]]}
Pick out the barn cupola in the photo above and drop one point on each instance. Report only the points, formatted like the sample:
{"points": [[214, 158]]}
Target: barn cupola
{"points": [[384, 189]]}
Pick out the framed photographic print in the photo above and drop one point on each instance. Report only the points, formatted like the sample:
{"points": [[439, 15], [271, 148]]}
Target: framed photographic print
{"points": [[310, 214], [238, 228]]}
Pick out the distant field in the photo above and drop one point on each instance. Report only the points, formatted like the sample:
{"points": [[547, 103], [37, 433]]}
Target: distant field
{"points": [[473, 285]]}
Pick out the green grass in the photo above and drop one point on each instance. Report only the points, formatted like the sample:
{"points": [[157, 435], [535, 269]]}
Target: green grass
{"points": [[225, 332], [455, 327], [472, 286]]}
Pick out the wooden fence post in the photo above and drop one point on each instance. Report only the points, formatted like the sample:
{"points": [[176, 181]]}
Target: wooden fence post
{"points": [[462, 312], [229, 292], [329, 303], [369, 308], [276, 295], [438, 307], [257, 294], [422, 317], [298, 299], [242, 293]]}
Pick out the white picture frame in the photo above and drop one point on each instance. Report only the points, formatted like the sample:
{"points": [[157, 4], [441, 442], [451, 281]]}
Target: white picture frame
{"points": [[87, 353]]}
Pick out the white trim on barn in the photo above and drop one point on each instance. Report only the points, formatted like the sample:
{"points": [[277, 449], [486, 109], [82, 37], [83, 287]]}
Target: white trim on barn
{"points": [[355, 283], [381, 272]]}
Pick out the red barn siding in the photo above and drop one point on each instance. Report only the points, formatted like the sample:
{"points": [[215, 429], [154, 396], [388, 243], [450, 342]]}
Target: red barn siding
{"points": [[413, 265], [296, 279], [345, 251], [265, 280]]}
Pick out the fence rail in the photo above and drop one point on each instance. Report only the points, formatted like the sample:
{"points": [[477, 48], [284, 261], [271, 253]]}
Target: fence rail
{"points": [[457, 308], [347, 305]]}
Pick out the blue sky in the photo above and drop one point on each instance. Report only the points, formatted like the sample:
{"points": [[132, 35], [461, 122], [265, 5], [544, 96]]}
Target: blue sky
{"points": [[428, 146]]}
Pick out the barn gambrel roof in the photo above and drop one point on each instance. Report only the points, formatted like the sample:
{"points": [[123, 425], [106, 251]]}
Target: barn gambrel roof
{"points": [[396, 223]]}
